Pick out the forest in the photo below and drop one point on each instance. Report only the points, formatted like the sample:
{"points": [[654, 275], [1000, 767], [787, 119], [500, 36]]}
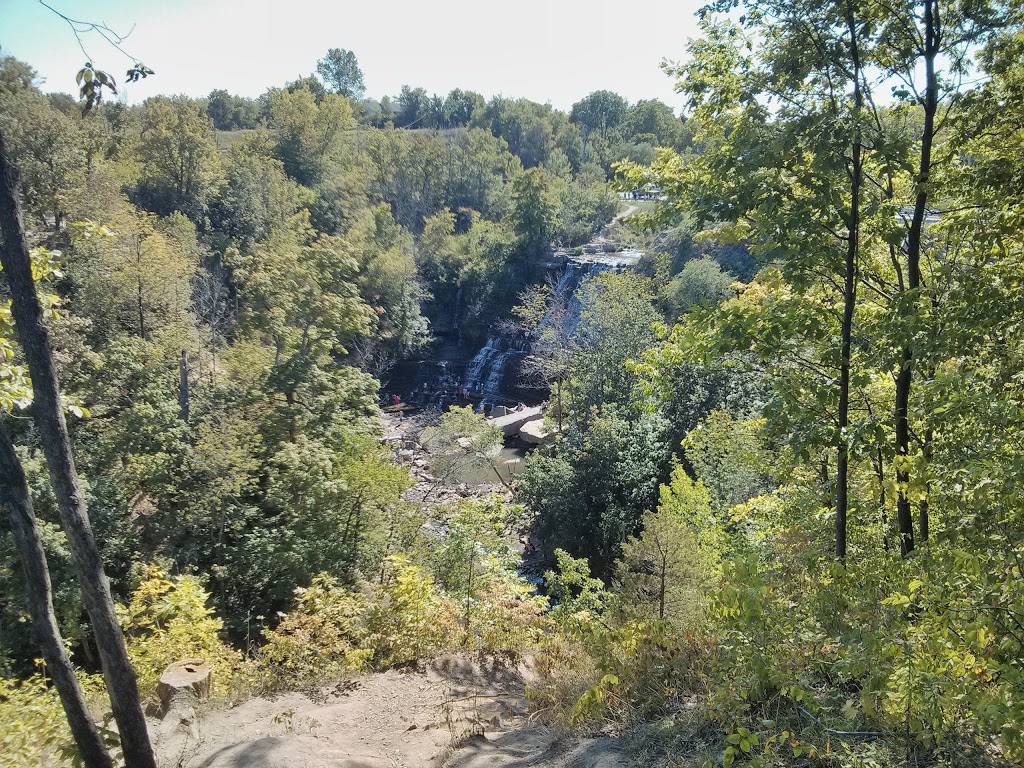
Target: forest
{"points": [[776, 519]]}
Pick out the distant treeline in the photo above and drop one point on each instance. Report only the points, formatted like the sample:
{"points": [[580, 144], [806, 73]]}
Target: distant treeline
{"points": [[602, 127]]}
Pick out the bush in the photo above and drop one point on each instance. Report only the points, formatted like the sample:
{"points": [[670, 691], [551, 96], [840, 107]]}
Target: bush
{"points": [[167, 620], [33, 730]]}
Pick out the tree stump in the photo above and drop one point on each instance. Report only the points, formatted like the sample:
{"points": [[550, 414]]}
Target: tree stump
{"points": [[188, 679]]}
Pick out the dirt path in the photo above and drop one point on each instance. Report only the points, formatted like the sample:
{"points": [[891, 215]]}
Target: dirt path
{"points": [[630, 209], [461, 711]]}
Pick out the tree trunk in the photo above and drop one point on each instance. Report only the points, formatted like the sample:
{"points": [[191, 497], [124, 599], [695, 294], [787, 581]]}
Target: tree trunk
{"points": [[904, 518], [15, 498], [184, 399], [662, 587], [923, 506], [48, 415], [849, 301]]}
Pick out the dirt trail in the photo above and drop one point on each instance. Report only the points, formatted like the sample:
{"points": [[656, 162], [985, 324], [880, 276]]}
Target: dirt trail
{"points": [[460, 711]]}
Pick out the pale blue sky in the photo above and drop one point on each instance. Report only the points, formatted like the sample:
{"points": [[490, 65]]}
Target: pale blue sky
{"points": [[545, 50]]}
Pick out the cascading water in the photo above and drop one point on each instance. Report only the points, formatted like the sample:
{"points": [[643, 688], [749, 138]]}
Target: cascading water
{"points": [[490, 377], [486, 373]]}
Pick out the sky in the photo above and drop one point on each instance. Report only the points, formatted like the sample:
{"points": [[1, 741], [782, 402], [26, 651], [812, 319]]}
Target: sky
{"points": [[546, 50]]}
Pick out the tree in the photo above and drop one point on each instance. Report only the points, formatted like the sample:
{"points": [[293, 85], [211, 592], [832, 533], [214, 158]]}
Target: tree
{"points": [[46, 145], [729, 458], [667, 563], [544, 314], [533, 131], [462, 442], [48, 414], [413, 108], [16, 76], [814, 142], [591, 488], [140, 273], [340, 70], [535, 210], [925, 37], [309, 133], [16, 502], [701, 283], [180, 164], [600, 112], [231, 113], [459, 107], [616, 325], [650, 118]]}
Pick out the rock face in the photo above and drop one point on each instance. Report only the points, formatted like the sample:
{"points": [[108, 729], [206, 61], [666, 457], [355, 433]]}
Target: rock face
{"points": [[189, 679]]}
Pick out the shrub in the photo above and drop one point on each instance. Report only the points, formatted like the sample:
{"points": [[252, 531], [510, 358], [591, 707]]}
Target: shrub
{"points": [[167, 620]]}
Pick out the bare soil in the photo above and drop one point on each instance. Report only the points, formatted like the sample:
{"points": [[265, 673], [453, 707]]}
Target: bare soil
{"points": [[459, 711]]}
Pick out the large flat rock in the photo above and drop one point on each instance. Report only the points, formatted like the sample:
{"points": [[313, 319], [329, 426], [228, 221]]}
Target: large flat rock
{"points": [[511, 423]]}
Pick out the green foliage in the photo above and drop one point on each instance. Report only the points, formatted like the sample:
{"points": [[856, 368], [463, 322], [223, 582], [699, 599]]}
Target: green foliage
{"points": [[600, 112], [168, 620], [701, 283], [319, 639], [303, 262], [32, 726], [179, 163], [231, 113], [535, 210], [590, 492], [458, 592], [579, 597], [309, 133], [463, 441], [340, 69], [665, 569], [730, 458], [616, 325], [15, 387]]}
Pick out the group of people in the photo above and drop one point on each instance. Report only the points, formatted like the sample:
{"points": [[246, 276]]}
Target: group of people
{"points": [[447, 389]]}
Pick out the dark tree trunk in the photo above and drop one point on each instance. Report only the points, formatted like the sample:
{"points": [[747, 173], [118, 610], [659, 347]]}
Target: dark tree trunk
{"points": [[15, 498], [48, 415], [904, 517], [184, 399], [849, 302]]}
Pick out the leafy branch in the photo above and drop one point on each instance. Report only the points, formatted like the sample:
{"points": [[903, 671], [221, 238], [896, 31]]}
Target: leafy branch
{"points": [[92, 81]]}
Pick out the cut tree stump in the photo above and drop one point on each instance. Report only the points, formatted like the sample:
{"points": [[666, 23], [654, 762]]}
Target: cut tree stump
{"points": [[190, 679]]}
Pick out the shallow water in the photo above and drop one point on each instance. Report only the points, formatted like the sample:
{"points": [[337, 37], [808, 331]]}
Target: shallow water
{"points": [[511, 462]]}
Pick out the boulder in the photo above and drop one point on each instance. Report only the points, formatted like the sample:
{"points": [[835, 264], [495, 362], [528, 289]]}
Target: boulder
{"points": [[534, 432], [511, 423], [190, 679]]}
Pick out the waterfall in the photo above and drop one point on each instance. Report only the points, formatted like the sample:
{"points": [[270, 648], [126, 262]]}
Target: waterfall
{"points": [[486, 372], [566, 302]]}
